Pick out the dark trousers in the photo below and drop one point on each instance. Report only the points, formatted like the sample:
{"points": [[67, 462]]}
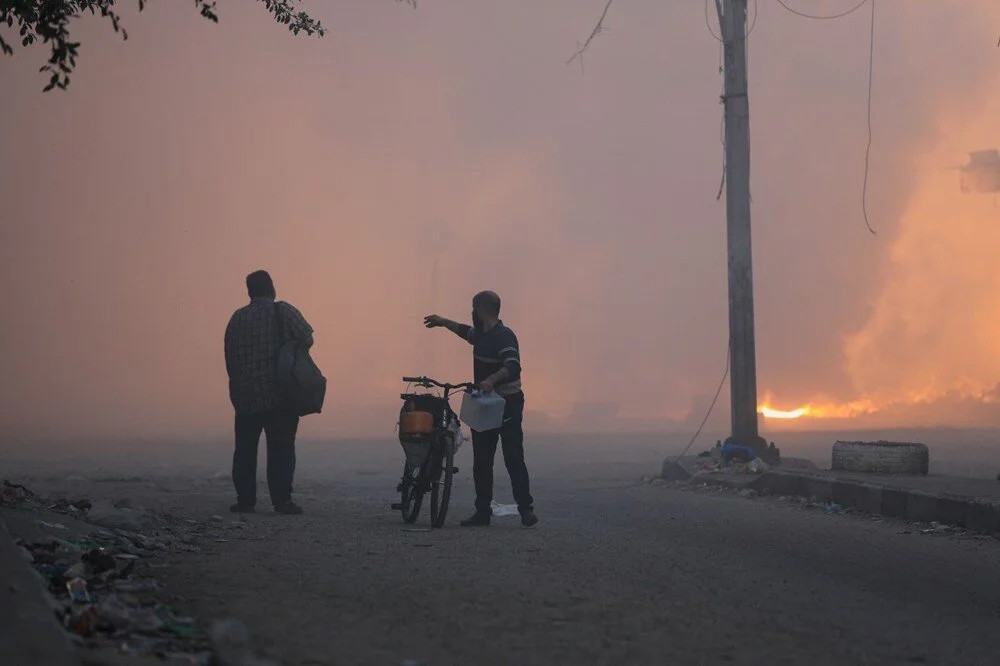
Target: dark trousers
{"points": [[484, 449], [280, 427]]}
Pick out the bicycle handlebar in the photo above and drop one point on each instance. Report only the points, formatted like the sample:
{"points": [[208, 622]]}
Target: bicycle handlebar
{"points": [[427, 382]]}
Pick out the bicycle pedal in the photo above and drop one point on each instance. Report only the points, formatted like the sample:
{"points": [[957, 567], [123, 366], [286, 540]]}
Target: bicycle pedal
{"points": [[398, 506]]}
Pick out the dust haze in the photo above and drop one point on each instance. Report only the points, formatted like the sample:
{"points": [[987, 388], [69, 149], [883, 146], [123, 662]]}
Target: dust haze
{"points": [[411, 158]]}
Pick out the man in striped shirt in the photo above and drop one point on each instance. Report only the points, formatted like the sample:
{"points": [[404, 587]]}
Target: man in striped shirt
{"points": [[497, 367]]}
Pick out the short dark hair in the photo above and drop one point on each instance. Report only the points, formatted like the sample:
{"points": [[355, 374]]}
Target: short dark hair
{"points": [[259, 284], [488, 301]]}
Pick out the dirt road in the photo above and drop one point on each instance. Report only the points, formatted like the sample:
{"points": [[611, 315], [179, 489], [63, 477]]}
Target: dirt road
{"points": [[616, 573]]}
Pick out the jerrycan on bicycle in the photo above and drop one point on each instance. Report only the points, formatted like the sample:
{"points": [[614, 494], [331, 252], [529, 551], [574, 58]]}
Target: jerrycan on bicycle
{"points": [[482, 411]]}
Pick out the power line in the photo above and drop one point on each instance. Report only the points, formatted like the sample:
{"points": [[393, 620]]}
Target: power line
{"points": [[708, 25], [821, 17], [871, 61], [868, 148], [598, 29], [710, 408]]}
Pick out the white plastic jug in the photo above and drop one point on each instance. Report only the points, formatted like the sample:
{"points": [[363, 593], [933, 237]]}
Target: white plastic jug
{"points": [[482, 411]]}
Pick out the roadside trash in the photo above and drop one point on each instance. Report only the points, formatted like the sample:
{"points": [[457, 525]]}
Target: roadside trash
{"points": [[72, 507], [89, 576], [13, 494], [78, 570], [83, 622], [749, 493], [126, 619], [106, 514], [757, 466], [737, 453], [937, 528], [78, 590], [712, 467], [99, 560], [500, 510], [53, 570], [482, 411], [833, 507]]}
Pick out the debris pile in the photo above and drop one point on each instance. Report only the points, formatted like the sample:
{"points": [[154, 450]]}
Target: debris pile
{"points": [[100, 579]]}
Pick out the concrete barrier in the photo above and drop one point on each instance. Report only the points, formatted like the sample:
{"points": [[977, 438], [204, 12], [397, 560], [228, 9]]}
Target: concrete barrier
{"points": [[971, 512], [929, 499]]}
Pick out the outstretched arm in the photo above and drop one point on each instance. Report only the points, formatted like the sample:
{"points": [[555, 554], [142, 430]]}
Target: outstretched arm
{"points": [[463, 331]]}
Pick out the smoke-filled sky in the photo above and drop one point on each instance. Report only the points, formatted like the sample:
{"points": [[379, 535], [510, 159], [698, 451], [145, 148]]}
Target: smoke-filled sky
{"points": [[413, 157]]}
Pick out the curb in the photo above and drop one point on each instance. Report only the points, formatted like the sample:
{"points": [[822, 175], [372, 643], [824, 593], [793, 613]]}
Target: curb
{"points": [[967, 512], [877, 498], [30, 633]]}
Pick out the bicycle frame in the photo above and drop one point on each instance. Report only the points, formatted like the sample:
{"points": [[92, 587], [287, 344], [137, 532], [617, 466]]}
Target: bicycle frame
{"points": [[418, 480]]}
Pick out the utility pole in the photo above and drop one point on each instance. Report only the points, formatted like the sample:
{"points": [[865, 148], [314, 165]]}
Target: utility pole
{"points": [[742, 350]]}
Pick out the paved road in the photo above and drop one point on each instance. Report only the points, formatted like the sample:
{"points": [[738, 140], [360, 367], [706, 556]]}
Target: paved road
{"points": [[616, 573]]}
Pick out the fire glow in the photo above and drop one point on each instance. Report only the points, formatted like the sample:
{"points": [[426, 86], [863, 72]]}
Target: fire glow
{"points": [[771, 413], [820, 411]]}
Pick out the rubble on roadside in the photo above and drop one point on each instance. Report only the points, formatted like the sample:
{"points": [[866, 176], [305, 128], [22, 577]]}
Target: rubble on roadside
{"points": [[95, 563]]}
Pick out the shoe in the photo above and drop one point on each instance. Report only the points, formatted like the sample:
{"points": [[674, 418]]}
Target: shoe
{"points": [[477, 520], [242, 508], [528, 518], [288, 508]]}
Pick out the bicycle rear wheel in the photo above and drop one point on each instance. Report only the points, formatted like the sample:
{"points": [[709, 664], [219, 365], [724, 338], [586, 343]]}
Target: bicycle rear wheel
{"points": [[441, 483], [412, 495]]}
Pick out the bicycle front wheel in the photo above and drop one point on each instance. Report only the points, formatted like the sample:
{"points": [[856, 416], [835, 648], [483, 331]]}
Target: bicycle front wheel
{"points": [[441, 484], [412, 494]]}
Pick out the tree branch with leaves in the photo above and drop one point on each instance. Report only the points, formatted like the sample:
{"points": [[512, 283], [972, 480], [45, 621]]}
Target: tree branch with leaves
{"points": [[48, 22]]}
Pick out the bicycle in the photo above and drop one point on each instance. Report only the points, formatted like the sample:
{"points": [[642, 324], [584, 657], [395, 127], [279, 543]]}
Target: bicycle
{"points": [[428, 432]]}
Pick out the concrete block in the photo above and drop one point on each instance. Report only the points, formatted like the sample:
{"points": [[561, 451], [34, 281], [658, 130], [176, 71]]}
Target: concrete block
{"points": [[982, 517], [778, 483], [921, 507], [893, 503], [859, 496], [881, 457], [952, 511], [820, 488]]}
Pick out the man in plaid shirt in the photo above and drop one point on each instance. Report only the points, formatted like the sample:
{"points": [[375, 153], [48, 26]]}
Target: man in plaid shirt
{"points": [[252, 341]]}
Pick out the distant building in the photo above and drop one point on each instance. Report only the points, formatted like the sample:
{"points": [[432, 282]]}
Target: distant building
{"points": [[982, 173]]}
